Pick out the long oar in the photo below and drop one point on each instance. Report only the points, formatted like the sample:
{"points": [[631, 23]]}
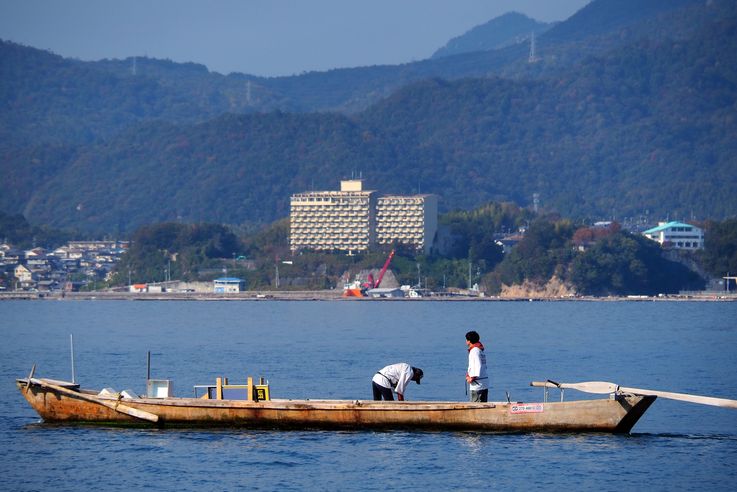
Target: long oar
{"points": [[601, 387], [118, 407], [704, 400]]}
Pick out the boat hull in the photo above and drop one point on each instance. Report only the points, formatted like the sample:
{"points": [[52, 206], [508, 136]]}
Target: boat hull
{"points": [[615, 415], [353, 292]]}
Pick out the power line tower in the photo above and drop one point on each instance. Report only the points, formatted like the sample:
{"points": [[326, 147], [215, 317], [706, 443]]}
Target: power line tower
{"points": [[533, 58], [535, 201]]}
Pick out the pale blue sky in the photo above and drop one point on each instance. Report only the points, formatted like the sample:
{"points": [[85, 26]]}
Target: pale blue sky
{"points": [[260, 37]]}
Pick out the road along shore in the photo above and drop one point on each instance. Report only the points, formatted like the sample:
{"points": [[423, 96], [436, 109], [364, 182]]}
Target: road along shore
{"points": [[333, 295]]}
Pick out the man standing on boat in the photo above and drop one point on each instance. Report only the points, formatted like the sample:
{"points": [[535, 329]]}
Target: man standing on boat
{"points": [[476, 376], [396, 377]]}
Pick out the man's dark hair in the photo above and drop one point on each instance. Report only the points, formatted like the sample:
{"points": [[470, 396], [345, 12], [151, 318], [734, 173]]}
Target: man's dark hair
{"points": [[473, 337]]}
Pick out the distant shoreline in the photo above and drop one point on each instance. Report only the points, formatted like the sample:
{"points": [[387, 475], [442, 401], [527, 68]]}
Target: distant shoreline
{"points": [[334, 295]]}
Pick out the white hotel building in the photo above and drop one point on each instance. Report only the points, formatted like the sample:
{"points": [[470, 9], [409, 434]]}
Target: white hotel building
{"points": [[409, 220], [354, 219], [677, 235]]}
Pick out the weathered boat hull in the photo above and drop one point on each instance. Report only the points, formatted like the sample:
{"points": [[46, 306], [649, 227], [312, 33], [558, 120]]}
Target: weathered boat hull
{"points": [[614, 415]]}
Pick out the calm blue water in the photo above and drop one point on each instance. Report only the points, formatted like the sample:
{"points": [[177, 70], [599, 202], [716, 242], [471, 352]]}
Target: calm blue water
{"points": [[331, 350]]}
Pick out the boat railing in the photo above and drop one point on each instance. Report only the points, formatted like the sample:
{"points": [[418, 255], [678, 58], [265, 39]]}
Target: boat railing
{"points": [[546, 385]]}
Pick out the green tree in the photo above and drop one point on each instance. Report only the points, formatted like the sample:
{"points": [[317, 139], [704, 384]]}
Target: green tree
{"points": [[720, 247], [177, 249], [623, 263], [544, 251], [16, 230]]}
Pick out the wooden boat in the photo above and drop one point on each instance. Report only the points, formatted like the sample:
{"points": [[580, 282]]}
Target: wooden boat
{"points": [[59, 401]]}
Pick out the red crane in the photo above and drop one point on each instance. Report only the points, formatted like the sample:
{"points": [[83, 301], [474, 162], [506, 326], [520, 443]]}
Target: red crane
{"points": [[371, 283]]}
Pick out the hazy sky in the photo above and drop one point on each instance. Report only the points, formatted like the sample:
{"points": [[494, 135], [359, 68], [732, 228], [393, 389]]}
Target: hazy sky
{"points": [[261, 37]]}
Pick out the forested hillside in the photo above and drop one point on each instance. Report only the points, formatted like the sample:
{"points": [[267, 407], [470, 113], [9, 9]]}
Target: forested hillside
{"points": [[234, 169], [73, 99], [636, 124]]}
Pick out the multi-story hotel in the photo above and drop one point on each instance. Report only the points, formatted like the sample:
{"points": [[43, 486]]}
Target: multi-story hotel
{"points": [[354, 219], [411, 220], [334, 220]]}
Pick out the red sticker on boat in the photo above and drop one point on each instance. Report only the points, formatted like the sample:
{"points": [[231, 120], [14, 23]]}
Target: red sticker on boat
{"points": [[526, 408]]}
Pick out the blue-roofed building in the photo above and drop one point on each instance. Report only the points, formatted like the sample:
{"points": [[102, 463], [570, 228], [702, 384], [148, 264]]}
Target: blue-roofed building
{"points": [[226, 285], [677, 235]]}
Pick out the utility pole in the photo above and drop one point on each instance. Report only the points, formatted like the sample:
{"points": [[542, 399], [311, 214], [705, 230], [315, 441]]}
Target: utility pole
{"points": [[533, 58]]}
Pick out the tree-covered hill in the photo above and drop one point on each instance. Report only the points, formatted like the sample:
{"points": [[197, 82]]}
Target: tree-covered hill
{"points": [[614, 263], [645, 125], [49, 99], [600, 27], [234, 169], [48, 96], [628, 17], [649, 127]]}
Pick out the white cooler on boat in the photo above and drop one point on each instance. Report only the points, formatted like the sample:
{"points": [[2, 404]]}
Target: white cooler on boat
{"points": [[159, 388]]}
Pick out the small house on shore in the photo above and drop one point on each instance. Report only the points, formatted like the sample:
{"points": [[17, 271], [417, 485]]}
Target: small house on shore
{"points": [[227, 285]]}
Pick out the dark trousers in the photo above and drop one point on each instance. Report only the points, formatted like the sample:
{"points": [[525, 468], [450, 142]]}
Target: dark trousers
{"points": [[382, 392], [480, 396]]}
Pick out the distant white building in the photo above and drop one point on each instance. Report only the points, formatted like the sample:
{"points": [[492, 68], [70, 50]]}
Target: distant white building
{"points": [[23, 274], [334, 220], [677, 235], [354, 219]]}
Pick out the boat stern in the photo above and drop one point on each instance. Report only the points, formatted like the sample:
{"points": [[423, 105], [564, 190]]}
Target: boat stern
{"points": [[635, 406]]}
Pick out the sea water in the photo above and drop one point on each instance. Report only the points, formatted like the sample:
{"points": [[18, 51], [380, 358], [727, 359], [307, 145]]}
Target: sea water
{"points": [[331, 350]]}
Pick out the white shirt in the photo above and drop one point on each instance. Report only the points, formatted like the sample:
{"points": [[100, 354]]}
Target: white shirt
{"points": [[395, 376], [477, 368]]}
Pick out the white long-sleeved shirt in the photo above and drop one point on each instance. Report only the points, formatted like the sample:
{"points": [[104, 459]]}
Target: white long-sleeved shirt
{"points": [[477, 368], [394, 376]]}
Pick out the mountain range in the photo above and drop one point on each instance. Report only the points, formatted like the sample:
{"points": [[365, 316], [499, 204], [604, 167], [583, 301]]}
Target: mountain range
{"points": [[500, 32], [629, 110]]}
